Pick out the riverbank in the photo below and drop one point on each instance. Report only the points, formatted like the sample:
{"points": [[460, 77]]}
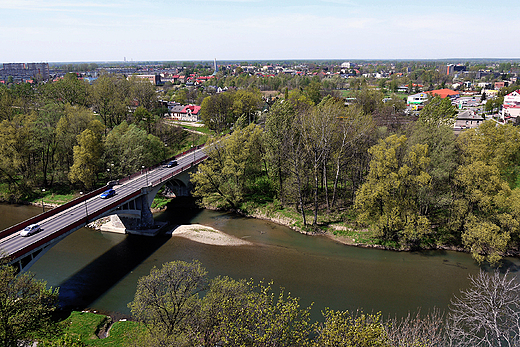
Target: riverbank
{"points": [[292, 224], [347, 235]]}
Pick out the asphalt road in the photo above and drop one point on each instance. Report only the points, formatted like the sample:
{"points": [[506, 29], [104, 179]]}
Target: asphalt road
{"points": [[14, 242]]}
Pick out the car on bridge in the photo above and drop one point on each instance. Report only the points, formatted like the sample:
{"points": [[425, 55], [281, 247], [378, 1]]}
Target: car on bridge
{"points": [[30, 229], [171, 163], [107, 193]]}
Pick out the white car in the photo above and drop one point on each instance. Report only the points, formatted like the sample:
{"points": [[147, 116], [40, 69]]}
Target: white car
{"points": [[30, 229]]}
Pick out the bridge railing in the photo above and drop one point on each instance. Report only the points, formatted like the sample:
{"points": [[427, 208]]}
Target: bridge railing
{"points": [[45, 215], [185, 167], [72, 226], [145, 170], [49, 213]]}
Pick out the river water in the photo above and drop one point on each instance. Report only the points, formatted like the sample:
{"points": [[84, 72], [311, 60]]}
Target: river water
{"points": [[100, 270]]}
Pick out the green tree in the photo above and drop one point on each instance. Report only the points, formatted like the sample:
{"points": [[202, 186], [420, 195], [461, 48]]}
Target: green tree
{"points": [[46, 140], [247, 103], [87, 159], [278, 129], [217, 112], [388, 198], [342, 328], [131, 148], [7, 101], [144, 119], [438, 112], [352, 130], [206, 323], [143, 92], [317, 130], [110, 98], [493, 105], [70, 89], [436, 200], [167, 297], [488, 211], [26, 306], [180, 96], [370, 100], [234, 162], [72, 123], [264, 319], [313, 91]]}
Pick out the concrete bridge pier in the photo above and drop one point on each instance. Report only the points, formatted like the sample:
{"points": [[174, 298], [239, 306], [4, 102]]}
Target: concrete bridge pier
{"points": [[135, 216]]}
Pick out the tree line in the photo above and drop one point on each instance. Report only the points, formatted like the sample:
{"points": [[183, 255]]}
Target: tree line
{"points": [[414, 184], [70, 133]]}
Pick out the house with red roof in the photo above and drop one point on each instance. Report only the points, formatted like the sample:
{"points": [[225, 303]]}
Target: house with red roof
{"points": [[511, 105], [189, 113], [443, 93]]}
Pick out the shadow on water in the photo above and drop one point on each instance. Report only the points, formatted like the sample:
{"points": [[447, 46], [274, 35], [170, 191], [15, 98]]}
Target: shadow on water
{"points": [[90, 283], [506, 265]]}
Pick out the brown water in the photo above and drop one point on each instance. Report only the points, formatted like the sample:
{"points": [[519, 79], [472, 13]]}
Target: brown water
{"points": [[100, 270]]}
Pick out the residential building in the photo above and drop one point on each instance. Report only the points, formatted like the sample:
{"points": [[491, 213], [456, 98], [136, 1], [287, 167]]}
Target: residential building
{"points": [[511, 106], [467, 119], [443, 93], [23, 71], [154, 79], [417, 99], [189, 113]]}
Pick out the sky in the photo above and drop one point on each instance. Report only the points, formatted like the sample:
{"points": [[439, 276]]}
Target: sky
{"points": [[201, 30]]}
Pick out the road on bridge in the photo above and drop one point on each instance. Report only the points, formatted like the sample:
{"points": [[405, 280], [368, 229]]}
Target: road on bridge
{"points": [[14, 245]]}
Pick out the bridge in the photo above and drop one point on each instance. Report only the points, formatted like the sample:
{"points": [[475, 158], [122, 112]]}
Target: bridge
{"points": [[133, 198]]}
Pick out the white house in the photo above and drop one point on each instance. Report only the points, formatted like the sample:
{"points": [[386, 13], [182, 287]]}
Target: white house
{"points": [[511, 106], [417, 99], [188, 113]]}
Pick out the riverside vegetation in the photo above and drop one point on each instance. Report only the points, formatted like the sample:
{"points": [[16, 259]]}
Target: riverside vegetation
{"points": [[178, 305], [411, 185]]}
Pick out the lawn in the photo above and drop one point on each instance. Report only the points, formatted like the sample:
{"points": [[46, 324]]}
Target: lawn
{"points": [[83, 329]]}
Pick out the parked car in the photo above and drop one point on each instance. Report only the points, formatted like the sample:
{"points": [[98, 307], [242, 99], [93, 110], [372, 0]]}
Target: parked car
{"points": [[30, 229], [172, 163], [107, 193]]}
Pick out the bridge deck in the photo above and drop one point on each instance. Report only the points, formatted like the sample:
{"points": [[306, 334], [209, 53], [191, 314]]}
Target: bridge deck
{"points": [[57, 223]]}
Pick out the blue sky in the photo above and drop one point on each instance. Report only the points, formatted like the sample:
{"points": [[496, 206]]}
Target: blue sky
{"points": [[171, 30]]}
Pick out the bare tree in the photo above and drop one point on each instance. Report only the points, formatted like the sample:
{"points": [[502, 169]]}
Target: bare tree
{"points": [[418, 330], [488, 313]]}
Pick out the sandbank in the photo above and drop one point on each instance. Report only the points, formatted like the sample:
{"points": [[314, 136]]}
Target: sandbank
{"points": [[207, 235]]}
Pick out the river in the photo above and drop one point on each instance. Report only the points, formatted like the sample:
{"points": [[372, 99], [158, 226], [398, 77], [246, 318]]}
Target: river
{"points": [[100, 270]]}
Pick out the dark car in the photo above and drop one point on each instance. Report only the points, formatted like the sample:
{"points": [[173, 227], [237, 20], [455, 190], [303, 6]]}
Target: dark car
{"points": [[107, 193], [171, 163]]}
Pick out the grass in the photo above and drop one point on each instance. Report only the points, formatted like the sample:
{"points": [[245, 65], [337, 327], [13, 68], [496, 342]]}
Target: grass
{"points": [[203, 129], [160, 202], [84, 326], [56, 195], [357, 235]]}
